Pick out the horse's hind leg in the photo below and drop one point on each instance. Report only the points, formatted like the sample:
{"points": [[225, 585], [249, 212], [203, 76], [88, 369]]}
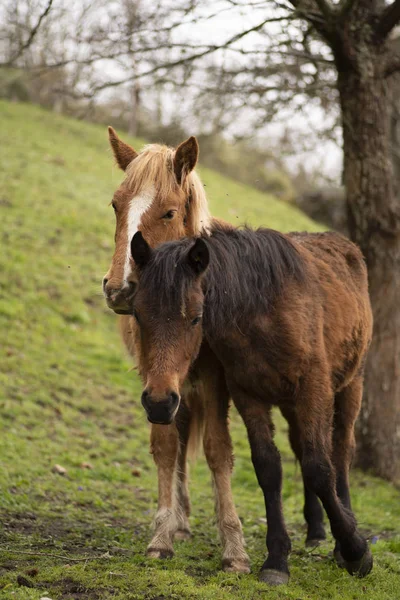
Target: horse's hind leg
{"points": [[164, 445], [218, 451], [183, 421], [315, 412], [312, 510], [347, 407], [268, 468]]}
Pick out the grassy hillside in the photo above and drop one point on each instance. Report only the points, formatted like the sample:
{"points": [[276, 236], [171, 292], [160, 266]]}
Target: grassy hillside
{"points": [[67, 397]]}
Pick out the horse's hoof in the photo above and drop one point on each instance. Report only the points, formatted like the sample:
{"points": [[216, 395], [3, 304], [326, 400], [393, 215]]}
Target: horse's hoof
{"points": [[273, 577], [159, 553], [183, 534], [337, 555], [313, 542], [360, 568], [236, 565]]}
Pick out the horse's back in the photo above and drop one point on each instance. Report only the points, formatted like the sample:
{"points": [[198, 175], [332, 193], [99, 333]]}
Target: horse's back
{"points": [[339, 289], [341, 255]]}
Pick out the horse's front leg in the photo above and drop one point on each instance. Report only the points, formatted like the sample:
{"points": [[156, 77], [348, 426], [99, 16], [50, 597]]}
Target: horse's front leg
{"points": [[219, 455], [268, 468], [183, 421], [164, 443]]}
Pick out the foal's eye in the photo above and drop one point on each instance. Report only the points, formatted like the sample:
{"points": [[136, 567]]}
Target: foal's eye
{"points": [[196, 321], [169, 215]]}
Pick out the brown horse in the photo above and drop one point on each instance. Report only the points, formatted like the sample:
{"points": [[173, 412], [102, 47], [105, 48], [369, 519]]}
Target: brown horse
{"points": [[290, 320], [163, 197]]}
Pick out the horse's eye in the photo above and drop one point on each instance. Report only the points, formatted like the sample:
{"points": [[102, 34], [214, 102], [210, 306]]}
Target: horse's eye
{"points": [[169, 215], [196, 321]]}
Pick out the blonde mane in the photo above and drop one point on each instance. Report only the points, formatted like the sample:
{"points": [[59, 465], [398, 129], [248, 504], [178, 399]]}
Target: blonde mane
{"points": [[154, 167]]}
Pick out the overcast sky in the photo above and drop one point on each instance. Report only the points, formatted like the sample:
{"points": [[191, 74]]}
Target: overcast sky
{"points": [[322, 155], [326, 155]]}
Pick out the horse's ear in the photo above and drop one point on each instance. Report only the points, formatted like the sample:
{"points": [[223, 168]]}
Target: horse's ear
{"points": [[198, 256], [186, 156], [124, 154], [140, 250]]}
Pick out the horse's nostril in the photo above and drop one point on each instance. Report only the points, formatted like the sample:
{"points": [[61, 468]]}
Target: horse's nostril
{"points": [[145, 395], [132, 286], [174, 397], [105, 281]]}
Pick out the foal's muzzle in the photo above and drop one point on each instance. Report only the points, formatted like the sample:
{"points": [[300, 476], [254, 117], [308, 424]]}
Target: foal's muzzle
{"points": [[119, 300], [160, 412]]}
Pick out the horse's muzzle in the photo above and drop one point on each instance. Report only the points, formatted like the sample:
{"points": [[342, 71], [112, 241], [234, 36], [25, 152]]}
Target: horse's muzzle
{"points": [[119, 300], [160, 412]]}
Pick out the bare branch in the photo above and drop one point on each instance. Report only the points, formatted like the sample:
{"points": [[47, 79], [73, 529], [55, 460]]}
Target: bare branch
{"points": [[345, 7], [183, 60], [32, 34], [307, 10], [326, 27], [326, 8], [389, 19]]}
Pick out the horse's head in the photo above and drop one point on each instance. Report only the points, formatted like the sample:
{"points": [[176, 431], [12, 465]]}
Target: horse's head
{"points": [[160, 196], [168, 308]]}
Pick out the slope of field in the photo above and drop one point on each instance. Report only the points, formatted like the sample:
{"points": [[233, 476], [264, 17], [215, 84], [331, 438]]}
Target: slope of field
{"points": [[67, 397]]}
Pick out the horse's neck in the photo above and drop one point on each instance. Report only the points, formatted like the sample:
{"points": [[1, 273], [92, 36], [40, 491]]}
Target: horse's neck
{"points": [[220, 223], [214, 224]]}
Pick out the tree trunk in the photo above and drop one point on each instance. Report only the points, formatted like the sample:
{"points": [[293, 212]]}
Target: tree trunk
{"points": [[374, 221], [134, 109], [395, 133]]}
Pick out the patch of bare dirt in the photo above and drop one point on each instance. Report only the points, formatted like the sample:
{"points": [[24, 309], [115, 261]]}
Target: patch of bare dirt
{"points": [[46, 532]]}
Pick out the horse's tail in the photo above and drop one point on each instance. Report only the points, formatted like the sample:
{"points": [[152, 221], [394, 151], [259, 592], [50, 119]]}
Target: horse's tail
{"points": [[197, 421]]}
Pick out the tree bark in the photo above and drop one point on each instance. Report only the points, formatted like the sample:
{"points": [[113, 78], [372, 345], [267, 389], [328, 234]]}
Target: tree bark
{"points": [[395, 133], [374, 221]]}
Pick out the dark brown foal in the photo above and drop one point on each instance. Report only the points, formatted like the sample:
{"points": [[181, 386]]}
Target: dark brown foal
{"points": [[288, 317]]}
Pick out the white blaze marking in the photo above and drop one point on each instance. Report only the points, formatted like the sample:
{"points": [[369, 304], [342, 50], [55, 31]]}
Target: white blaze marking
{"points": [[137, 207]]}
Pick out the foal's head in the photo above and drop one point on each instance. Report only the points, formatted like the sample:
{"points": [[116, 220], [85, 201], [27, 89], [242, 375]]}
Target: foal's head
{"points": [[168, 307], [161, 196]]}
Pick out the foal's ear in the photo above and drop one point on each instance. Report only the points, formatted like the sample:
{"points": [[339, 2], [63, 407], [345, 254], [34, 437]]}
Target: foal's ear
{"points": [[198, 256], [124, 154], [186, 156], [140, 250]]}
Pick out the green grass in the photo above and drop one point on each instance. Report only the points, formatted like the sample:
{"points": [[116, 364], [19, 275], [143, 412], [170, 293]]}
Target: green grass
{"points": [[67, 397]]}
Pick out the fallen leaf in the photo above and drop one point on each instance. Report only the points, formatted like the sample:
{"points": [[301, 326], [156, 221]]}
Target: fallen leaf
{"points": [[59, 469]]}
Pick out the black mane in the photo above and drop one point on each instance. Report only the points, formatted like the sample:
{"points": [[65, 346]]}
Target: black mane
{"points": [[247, 272]]}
